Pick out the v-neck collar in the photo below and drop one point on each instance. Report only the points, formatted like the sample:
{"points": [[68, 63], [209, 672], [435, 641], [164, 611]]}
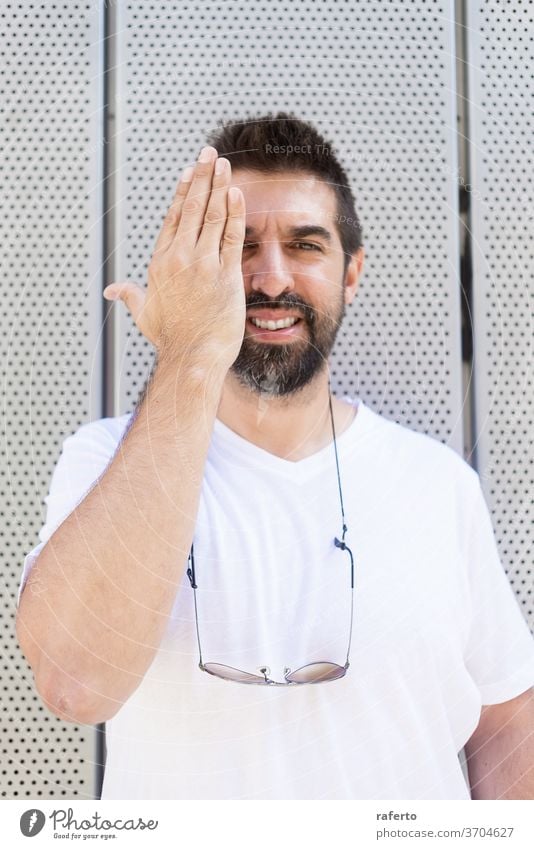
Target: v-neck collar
{"points": [[232, 446]]}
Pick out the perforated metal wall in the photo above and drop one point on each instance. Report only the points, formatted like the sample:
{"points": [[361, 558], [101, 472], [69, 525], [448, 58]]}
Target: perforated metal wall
{"points": [[378, 80], [51, 382], [501, 37]]}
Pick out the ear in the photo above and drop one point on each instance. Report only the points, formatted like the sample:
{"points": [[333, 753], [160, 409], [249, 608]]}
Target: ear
{"points": [[353, 274]]}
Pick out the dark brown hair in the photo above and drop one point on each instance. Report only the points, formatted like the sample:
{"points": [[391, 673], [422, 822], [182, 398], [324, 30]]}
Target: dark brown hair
{"points": [[276, 143]]}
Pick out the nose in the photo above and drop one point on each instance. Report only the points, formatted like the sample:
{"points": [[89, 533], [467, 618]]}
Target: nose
{"points": [[267, 270]]}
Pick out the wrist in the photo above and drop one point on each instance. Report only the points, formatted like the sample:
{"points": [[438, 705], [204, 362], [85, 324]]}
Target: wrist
{"points": [[198, 373]]}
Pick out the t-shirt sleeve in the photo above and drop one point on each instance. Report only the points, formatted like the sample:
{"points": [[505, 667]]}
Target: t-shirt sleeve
{"points": [[84, 457], [500, 647]]}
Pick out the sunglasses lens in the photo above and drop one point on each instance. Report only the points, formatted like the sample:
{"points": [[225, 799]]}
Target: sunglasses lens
{"points": [[316, 672], [232, 674]]}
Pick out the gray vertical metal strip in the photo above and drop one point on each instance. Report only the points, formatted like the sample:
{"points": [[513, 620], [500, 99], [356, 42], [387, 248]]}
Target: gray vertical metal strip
{"points": [[109, 153], [379, 82], [502, 203], [50, 229]]}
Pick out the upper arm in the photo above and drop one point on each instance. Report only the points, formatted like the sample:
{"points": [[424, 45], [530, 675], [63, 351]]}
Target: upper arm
{"points": [[84, 457]]}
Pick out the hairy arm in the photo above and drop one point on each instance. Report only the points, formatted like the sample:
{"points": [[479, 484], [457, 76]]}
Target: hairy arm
{"points": [[93, 613], [96, 603]]}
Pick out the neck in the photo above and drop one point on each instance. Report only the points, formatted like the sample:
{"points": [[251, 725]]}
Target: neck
{"points": [[292, 427]]}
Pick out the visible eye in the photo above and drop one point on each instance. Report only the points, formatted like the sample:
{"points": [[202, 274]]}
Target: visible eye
{"points": [[307, 246]]}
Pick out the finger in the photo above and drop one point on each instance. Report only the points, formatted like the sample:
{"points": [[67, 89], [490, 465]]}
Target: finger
{"points": [[234, 232], [216, 211], [172, 219], [132, 295], [194, 205]]}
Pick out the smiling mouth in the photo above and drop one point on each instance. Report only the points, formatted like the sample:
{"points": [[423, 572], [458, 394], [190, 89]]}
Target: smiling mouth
{"points": [[271, 329], [278, 324]]}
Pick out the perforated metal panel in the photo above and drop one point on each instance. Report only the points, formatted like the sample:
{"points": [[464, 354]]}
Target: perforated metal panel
{"points": [[378, 80], [50, 236], [501, 37]]}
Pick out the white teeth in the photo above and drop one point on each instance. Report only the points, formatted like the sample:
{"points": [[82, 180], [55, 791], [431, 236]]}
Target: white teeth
{"points": [[274, 325]]}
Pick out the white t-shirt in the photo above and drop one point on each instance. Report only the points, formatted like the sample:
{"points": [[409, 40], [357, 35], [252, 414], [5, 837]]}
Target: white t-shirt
{"points": [[437, 629]]}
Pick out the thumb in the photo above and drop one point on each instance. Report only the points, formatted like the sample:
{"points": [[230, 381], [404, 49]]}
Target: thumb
{"points": [[132, 295], [135, 299]]}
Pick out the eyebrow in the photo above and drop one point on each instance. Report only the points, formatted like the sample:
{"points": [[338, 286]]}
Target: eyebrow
{"points": [[300, 232]]}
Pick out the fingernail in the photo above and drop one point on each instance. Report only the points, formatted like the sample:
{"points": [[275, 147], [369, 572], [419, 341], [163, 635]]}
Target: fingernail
{"points": [[233, 194], [188, 173], [206, 154], [220, 166]]}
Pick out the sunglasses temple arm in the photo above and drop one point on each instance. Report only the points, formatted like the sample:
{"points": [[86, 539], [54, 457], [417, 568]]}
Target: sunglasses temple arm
{"points": [[191, 569], [340, 543], [350, 631], [191, 576], [343, 545]]}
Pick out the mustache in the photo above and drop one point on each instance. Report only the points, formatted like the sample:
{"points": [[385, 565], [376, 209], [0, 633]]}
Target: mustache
{"points": [[289, 301]]}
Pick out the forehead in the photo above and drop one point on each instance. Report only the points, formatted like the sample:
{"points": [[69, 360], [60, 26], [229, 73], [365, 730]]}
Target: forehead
{"points": [[289, 198]]}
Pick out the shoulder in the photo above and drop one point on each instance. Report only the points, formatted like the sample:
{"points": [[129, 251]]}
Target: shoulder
{"points": [[417, 455]]}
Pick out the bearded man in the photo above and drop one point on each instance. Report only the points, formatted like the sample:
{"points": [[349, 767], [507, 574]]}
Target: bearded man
{"points": [[264, 591]]}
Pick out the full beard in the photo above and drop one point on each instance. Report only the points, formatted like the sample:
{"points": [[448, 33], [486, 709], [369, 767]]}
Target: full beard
{"points": [[278, 370]]}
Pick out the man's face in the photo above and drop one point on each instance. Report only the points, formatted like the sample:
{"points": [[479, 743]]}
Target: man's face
{"points": [[293, 269]]}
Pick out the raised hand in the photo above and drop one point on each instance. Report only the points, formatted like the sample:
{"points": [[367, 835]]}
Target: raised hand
{"points": [[194, 305]]}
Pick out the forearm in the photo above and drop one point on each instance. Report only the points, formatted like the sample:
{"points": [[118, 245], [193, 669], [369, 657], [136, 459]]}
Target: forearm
{"points": [[97, 602], [503, 766]]}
